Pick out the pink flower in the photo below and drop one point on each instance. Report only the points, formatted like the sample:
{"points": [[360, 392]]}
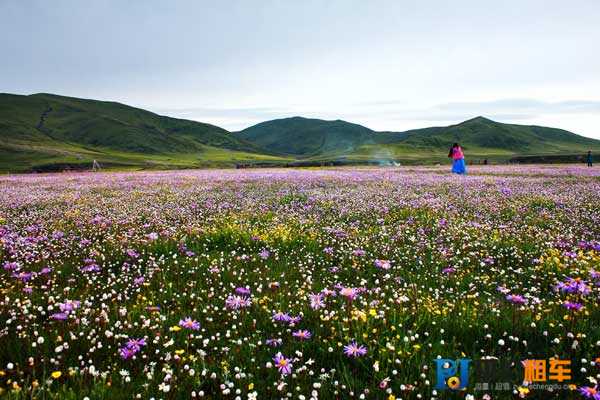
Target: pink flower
{"points": [[284, 365], [354, 350], [302, 334], [383, 264], [189, 323], [316, 301]]}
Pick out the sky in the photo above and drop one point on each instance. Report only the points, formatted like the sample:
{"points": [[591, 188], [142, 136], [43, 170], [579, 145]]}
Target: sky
{"points": [[389, 65]]}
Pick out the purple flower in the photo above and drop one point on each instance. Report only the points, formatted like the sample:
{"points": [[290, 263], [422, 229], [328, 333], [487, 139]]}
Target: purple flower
{"points": [[235, 302], [349, 293], [328, 250], [574, 286], [354, 350], [69, 305], [284, 365], [45, 270], [383, 264], [126, 353], [23, 276], [138, 281], [590, 392], [135, 344], [274, 342], [516, 299], [448, 271], [152, 236], [91, 268], [11, 266], [132, 253], [302, 334], [242, 291], [316, 301], [359, 253], [572, 306], [503, 289], [264, 254], [189, 323], [281, 317], [59, 316]]}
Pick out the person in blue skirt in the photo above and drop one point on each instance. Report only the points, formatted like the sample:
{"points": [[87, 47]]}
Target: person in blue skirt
{"points": [[458, 159]]}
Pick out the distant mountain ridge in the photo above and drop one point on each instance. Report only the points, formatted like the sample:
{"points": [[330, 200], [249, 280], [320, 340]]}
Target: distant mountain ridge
{"points": [[50, 132], [306, 138]]}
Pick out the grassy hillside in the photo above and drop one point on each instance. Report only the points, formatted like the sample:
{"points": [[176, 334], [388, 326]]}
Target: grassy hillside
{"points": [[48, 132], [42, 130], [319, 140], [305, 137]]}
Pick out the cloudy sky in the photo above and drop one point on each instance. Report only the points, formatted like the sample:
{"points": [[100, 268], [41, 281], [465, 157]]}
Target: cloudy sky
{"points": [[389, 65]]}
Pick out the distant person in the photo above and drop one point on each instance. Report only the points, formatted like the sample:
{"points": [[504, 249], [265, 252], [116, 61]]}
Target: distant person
{"points": [[458, 159], [589, 158]]}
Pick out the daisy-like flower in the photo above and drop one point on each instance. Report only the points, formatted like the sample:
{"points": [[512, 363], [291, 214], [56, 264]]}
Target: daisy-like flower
{"points": [[316, 300], [136, 344], [284, 365], [69, 305], [235, 302], [274, 342], [349, 293], [302, 334], [516, 299], [281, 317], [359, 253], [354, 350], [264, 254], [189, 323], [590, 392], [383, 264], [572, 306], [59, 316], [573, 285]]}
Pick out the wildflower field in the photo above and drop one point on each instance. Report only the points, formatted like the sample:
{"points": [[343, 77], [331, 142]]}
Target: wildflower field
{"points": [[330, 283]]}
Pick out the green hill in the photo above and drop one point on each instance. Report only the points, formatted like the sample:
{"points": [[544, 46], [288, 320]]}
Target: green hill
{"points": [[480, 137], [305, 137], [48, 132], [42, 130]]}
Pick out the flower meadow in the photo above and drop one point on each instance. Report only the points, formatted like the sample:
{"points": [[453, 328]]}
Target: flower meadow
{"points": [[299, 284]]}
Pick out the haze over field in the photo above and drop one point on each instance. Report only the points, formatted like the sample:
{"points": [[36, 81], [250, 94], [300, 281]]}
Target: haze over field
{"points": [[398, 66]]}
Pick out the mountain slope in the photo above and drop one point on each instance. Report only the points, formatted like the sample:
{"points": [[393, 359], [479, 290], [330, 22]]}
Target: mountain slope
{"points": [[304, 137], [322, 140], [49, 132], [44, 128]]}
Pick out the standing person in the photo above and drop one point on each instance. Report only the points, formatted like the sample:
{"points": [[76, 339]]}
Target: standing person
{"points": [[589, 158], [458, 159]]}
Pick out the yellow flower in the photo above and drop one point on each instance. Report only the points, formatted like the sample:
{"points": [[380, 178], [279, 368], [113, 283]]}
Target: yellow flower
{"points": [[372, 312], [179, 352], [175, 328], [391, 397], [56, 374], [523, 390], [251, 386]]}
